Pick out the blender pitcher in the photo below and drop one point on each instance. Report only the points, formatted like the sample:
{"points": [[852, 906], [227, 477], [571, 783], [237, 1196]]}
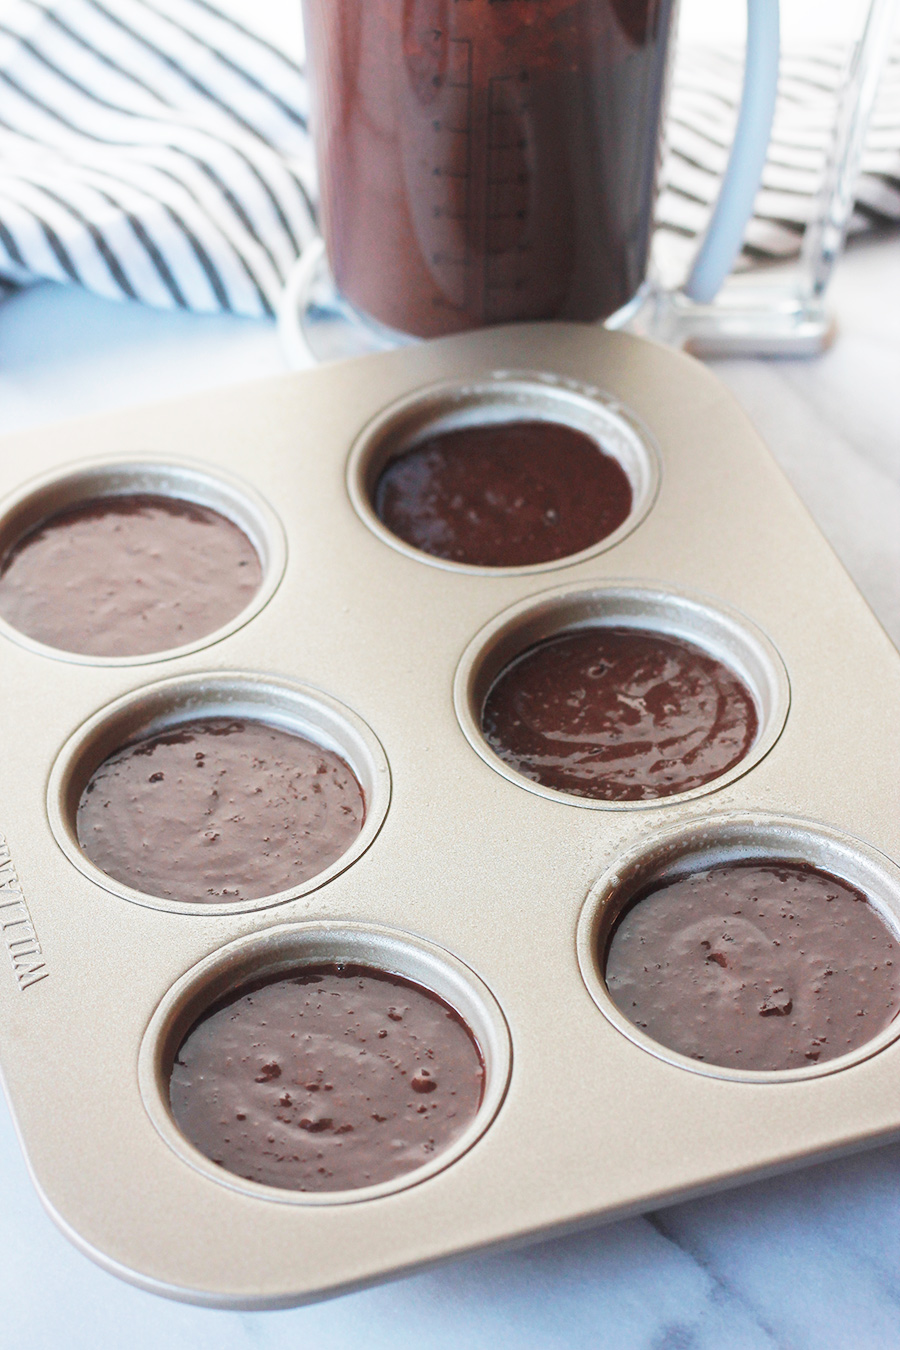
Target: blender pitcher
{"points": [[493, 161]]}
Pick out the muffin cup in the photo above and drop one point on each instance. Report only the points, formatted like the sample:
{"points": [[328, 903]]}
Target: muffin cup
{"points": [[180, 480], [502, 398], [278, 951], [157, 707], [718, 630], [729, 838]]}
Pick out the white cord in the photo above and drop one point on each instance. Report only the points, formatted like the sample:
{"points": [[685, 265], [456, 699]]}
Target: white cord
{"points": [[296, 353]]}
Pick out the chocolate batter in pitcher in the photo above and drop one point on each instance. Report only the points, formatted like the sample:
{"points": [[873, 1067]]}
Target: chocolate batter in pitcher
{"points": [[485, 162]]}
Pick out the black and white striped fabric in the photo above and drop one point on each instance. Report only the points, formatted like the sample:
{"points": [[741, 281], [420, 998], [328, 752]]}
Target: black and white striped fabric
{"points": [[150, 151], [158, 150]]}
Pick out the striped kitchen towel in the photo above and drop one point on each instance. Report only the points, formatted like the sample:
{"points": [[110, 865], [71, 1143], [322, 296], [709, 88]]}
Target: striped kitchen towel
{"points": [[158, 150], [151, 151]]}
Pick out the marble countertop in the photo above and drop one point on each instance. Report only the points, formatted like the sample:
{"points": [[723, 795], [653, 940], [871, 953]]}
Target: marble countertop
{"points": [[811, 1259]]}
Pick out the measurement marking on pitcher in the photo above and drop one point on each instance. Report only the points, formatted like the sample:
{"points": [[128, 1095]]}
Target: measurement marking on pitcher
{"points": [[467, 206], [507, 197], [17, 927], [453, 166]]}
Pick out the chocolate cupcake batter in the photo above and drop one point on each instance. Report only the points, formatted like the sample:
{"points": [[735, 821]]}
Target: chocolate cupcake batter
{"points": [[126, 576], [217, 810], [328, 1079], [506, 494], [755, 965], [619, 714]]}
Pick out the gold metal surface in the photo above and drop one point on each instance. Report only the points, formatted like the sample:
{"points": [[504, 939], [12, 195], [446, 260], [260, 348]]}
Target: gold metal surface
{"points": [[466, 862]]}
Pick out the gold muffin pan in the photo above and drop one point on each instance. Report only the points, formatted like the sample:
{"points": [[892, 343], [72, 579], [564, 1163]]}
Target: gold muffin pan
{"points": [[467, 878]]}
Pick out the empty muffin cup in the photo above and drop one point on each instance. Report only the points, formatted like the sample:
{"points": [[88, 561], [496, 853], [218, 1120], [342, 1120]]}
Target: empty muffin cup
{"points": [[320, 1064], [114, 562], [750, 946], [621, 695], [218, 792], [512, 474]]}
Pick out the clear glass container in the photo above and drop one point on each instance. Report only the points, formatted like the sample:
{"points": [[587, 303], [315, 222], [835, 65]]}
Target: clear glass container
{"points": [[482, 164], [833, 55]]}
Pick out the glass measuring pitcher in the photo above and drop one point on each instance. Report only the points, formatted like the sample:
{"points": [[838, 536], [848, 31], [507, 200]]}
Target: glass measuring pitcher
{"points": [[489, 161]]}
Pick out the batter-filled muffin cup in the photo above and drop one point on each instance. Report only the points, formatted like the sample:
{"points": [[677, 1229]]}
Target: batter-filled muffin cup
{"points": [[117, 562], [327, 1078], [218, 809], [621, 714], [514, 474], [620, 695], [748, 946], [322, 1063], [219, 791]]}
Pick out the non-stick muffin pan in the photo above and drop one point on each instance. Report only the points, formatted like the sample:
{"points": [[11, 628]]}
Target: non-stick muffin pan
{"points": [[505, 997]]}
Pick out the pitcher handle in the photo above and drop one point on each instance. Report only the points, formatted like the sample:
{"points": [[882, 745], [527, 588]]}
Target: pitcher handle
{"points": [[734, 205]]}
